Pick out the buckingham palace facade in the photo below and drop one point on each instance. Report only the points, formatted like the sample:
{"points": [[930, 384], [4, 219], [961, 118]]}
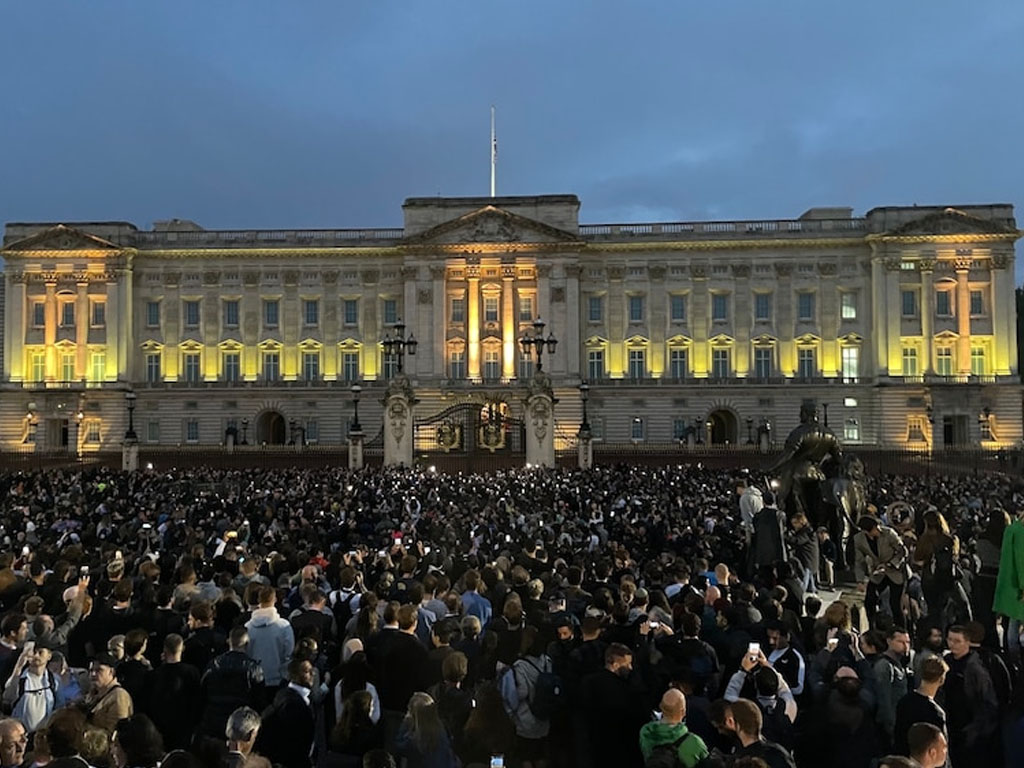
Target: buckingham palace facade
{"points": [[899, 324]]}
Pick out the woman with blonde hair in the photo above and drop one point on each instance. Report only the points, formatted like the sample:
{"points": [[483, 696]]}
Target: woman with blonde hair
{"points": [[422, 738]]}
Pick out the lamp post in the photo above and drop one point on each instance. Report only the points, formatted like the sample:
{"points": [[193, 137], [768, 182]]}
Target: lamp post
{"points": [[355, 426], [535, 344], [750, 428], [245, 431], [130, 398], [399, 344], [584, 396], [697, 430], [824, 408], [355, 431]]}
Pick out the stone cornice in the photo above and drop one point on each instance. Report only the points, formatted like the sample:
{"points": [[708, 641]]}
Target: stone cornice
{"points": [[726, 245], [1003, 237], [244, 253]]}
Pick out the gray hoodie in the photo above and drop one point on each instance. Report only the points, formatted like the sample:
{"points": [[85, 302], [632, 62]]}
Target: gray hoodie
{"points": [[271, 642]]}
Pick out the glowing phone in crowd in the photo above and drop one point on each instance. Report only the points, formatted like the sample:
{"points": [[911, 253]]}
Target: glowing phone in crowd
{"points": [[497, 761]]}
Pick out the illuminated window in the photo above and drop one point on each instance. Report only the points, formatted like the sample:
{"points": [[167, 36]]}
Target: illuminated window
{"points": [[636, 428], [762, 307], [152, 367], [389, 365], [232, 366], [525, 309], [310, 366], [915, 428], [944, 303], [271, 366], [851, 363], [977, 303], [190, 362], [152, 431], [805, 307], [944, 361], [390, 311], [978, 367], [677, 307], [492, 365], [350, 366], [636, 309], [806, 363], [38, 314], [719, 307], [595, 309], [850, 402], [457, 364], [851, 429], [595, 364], [152, 314], [67, 366], [192, 431], [720, 363], [38, 366], [99, 314], [987, 433], [637, 363], [67, 314], [458, 310], [909, 303], [848, 301], [910, 361], [191, 314], [763, 362], [231, 313], [678, 363], [490, 309], [525, 367], [92, 431], [270, 313]]}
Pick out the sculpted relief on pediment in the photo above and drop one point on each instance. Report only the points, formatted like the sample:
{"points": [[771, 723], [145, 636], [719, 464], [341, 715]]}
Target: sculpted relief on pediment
{"points": [[492, 225]]}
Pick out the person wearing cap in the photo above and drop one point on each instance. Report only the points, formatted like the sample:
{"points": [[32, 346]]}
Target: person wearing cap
{"points": [[31, 691], [107, 702]]}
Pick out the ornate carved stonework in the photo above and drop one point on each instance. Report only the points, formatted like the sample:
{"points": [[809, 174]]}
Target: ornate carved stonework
{"points": [[616, 273], [557, 295], [211, 277], [330, 276], [437, 271], [657, 271], [398, 417], [251, 277], [573, 270], [893, 263], [741, 270], [425, 296], [543, 270], [962, 264], [370, 275], [410, 272], [927, 264], [540, 414], [782, 269], [291, 277], [171, 279], [1001, 260], [508, 271], [827, 268], [472, 271]]}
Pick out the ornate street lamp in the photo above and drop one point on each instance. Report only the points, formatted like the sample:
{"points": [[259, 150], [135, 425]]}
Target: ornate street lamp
{"points": [[584, 396], [245, 431], [130, 398], [399, 344], [750, 427], [355, 426], [535, 344]]}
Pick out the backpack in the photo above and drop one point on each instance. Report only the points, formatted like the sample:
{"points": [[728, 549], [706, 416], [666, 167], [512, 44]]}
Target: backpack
{"points": [[509, 691], [776, 725], [548, 693], [667, 755], [942, 569], [51, 686], [1002, 678], [341, 606]]}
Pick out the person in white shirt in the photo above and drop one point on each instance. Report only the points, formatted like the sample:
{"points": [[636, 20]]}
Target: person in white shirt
{"points": [[31, 690]]}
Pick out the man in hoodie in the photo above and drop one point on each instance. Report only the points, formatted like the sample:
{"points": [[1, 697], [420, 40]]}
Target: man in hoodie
{"points": [[271, 640], [671, 733]]}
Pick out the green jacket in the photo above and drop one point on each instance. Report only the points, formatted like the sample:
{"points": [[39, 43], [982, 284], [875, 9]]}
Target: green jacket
{"points": [[1010, 581], [691, 751]]}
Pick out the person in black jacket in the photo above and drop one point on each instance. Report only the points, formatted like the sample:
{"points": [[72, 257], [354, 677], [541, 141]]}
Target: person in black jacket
{"points": [[232, 680], [614, 707], [172, 698], [919, 706], [403, 668], [286, 736], [205, 641]]}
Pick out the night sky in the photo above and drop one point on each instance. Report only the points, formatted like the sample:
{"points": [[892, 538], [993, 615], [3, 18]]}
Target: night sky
{"points": [[328, 113]]}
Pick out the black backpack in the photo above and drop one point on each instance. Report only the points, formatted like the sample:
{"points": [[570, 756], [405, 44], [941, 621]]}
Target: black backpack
{"points": [[1002, 677], [666, 755], [341, 607], [942, 569], [776, 725], [548, 693]]}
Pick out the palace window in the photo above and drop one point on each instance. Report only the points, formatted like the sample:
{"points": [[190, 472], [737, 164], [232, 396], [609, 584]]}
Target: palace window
{"points": [[457, 364], [312, 431], [67, 314], [806, 363], [390, 311], [637, 363], [98, 317], [389, 365], [595, 309], [67, 366], [978, 367], [719, 307], [636, 309], [944, 303], [92, 431], [944, 361], [525, 367], [191, 314], [805, 307], [679, 426], [851, 429], [763, 362], [271, 366], [763, 307], [636, 428], [152, 314], [192, 431], [271, 313], [492, 365], [848, 305], [678, 308], [851, 363], [310, 366], [350, 310], [38, 366], [490, 309], [678, 363], [152, 367], [977, 303], [232, 366], [350, 366], [152, 431], [190, 362], [908, 300], [910, 361], [311, 313], [526, 309], [720, 363], [595, 364], [915, 428], [38, 314], [458, 310], [97, 366]]}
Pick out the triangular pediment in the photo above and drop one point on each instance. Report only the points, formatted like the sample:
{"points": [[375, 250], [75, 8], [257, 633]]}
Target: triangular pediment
{"points": [[491, 224], [950, 221], [62, 238], [947, 336]]}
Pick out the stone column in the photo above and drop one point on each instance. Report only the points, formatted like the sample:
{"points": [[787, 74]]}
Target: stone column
{"points": [[473, 322], [440, 307], [893, 315], [82, 323], [785, 324], [399, 426], [963, 317], [878, 317], [14, 328], [50, 331], [508, 321], [573, 341], [355, 449], [130, 456], [616, 362], [540, 422], [585, 449], [1003, 328], [742, 320], [927, 294]]}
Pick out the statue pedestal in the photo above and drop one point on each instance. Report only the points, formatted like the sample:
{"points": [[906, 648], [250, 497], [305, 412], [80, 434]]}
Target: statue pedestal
{"points": [[229, 443], [130, 456], [399, 427], [585, 449], [691, 440], [355, 450], [540, 421]]}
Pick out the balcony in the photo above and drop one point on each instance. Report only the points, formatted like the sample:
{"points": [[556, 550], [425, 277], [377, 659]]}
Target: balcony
{"points": [[697, 230]]}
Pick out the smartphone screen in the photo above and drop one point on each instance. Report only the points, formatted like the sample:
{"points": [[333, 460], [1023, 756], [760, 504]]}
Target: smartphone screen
{"points": [[754, 648], [497, 761]]}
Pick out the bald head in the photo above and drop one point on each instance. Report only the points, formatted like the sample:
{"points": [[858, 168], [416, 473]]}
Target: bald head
{"points": [[711, 595], [673, 706]]}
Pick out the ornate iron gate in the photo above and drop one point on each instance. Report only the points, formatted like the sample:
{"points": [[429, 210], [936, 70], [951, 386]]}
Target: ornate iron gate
{"points": [[471, 437]]}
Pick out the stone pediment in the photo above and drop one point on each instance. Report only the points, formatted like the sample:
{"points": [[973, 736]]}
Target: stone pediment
{"points": [[62, 238], [492, 225], [951, 221]]}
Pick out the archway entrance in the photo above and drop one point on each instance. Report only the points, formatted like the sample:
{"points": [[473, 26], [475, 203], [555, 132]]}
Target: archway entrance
{"points": [[270, 428], [724, 427]]}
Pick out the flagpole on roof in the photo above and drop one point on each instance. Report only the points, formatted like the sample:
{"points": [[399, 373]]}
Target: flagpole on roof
{"points": [[494, 153]]}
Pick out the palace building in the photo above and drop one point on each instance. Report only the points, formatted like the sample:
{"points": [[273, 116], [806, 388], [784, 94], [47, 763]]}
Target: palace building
{"points": [[900, 324]]}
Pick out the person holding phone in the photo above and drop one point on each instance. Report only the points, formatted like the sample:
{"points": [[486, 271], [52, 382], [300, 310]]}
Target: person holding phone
{"points": [[31, 691]]}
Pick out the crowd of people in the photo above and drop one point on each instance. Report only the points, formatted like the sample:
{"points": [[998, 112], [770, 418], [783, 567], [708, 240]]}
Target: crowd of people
{"points": [[620, 616]]}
